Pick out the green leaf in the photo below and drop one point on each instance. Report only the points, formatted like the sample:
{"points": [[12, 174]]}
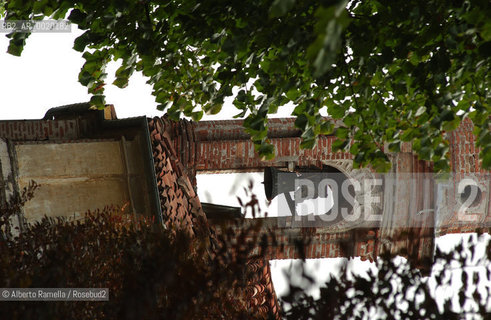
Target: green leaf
{"points": [[326, 128], [266, 151], [447, 115], [301, 121], [98, 101], [293, 94], [196, 116], [451, 125], [14, 49], [339, 144], [77, 16], [354, 149], [341, 133], [426, 153], [17, 43], [420, 111], [213, 108], [308, 143], [409, 134], [121, 82], [280, 8], [81, 42], [486, 158], [336, 111], [85, 78], [395, 146], [330, 25]]}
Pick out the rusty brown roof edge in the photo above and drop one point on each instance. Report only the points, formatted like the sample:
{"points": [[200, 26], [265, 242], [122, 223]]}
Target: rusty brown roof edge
{"points": [[153, 174]]}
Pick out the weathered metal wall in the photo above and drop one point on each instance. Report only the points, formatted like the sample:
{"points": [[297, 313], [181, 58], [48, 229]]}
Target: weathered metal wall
{"points": [[75, 176]]}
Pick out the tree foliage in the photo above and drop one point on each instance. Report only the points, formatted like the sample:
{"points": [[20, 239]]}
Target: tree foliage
{"points": [[151, 273], [392, 70]]}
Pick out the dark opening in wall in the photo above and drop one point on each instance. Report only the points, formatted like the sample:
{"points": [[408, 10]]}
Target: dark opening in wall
{"points": [[311, 191]]}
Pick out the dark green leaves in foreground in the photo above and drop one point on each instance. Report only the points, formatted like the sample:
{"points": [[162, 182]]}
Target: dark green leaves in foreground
{"points": [[392, 71]]}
